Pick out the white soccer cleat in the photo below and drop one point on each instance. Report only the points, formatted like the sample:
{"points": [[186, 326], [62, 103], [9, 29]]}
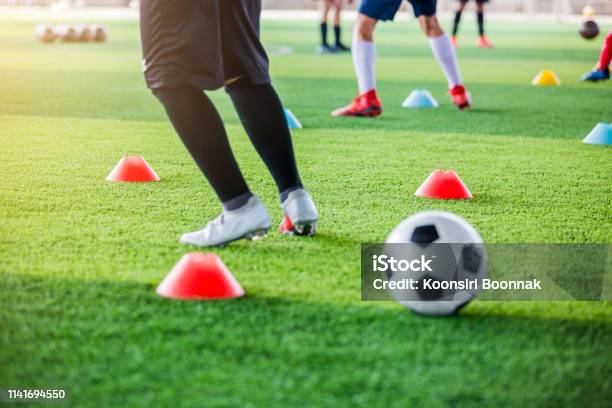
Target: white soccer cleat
{"points": [[300, 214], [251, 221]]}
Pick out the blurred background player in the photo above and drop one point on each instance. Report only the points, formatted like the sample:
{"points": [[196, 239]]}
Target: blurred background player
{"points": [[325, 6], [602, 69], [364, 54], [216, 43], [483, 41]]}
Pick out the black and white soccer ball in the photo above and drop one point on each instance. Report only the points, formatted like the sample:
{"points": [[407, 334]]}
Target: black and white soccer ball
{"points": [[458, 253]]}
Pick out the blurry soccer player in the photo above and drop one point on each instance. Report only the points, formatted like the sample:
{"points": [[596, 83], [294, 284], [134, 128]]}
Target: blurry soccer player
{"points": [[325, 7], [483, 41], [192, 45], [602, 69], [367, 103]]}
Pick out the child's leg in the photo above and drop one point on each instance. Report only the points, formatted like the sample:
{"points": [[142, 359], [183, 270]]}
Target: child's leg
{"points": [[442, 49], [364, 53], [263, 118], [200, 127], [606, 53], [324, 7], [480, 17], [337, 21], [457, 19]]}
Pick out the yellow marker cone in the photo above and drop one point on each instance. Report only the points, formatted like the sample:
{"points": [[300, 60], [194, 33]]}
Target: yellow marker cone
{"points": [[546, 78]]}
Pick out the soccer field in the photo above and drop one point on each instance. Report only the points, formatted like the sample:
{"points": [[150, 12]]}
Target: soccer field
{"points": [[80, 257]]}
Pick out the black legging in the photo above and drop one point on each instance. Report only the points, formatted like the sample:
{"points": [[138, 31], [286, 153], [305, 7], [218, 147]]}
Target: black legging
{"points": [[201, 129], [479, 18]]}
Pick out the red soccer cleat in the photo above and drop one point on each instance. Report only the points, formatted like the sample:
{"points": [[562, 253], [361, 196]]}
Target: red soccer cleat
{"points": [[460, 97], [483, 42], [454, 41], [365, 105]]}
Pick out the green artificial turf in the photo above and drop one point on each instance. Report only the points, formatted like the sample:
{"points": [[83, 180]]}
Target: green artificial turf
{"points": [[80, 257]]}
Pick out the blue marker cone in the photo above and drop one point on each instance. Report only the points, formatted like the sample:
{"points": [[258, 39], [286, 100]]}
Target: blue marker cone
{"points": [[420, 98], [600, 135], [292, 121]]}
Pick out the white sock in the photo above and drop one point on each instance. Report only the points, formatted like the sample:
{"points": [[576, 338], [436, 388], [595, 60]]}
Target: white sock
{"points": [[364, 60], [444, 52]]}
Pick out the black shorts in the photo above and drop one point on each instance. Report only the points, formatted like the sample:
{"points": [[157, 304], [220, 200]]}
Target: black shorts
{"points": [[386, 9], [201, 43]]}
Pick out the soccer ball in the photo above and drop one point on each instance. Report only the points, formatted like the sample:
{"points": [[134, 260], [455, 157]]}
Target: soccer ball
{"points": [[45, 33], [99, 33], [65, 33], [458, 255], [588, 29], [588, 11], [84, 33]]}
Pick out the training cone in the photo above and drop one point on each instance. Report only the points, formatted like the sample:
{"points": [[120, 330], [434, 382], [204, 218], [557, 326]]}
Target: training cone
{"points": [[199, 276], [286, 226], [131, 169], [445, 185], [600, 135], [292, 121], [420, 98], [546, 78]]}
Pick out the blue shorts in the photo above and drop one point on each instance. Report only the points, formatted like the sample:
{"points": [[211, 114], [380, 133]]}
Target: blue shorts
{"points": [[386, 9]]}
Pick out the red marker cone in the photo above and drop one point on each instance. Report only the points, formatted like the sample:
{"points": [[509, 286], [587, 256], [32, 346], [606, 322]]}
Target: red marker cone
{"points": [[199, 276], [286, 226], [133, 168], [445, 185]]}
